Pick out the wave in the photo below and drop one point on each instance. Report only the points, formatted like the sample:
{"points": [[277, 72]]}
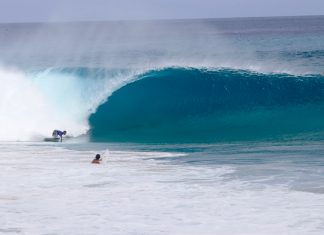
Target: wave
{"points": [[34, 103], [291, 55], [116, 81], [207, 105], [172, 104]]}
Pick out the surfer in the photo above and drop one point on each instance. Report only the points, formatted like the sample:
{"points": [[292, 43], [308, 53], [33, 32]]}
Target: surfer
{"points": [[96, 160], [58, 134]]}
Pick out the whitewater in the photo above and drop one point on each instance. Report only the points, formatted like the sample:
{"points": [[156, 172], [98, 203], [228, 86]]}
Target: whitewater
{"points": [[233, 189], [205, 127]]}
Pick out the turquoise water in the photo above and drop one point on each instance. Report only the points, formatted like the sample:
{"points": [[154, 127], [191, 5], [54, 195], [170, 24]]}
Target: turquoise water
{"points": [[181, 81], [202, 125], [202, 105], [167, 81]]}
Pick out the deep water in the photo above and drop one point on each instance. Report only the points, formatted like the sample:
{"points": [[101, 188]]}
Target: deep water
{"points": [[185, 81]]}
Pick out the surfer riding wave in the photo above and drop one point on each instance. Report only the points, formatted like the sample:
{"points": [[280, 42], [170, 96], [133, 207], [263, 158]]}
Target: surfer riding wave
{"points": [[58, 134]]}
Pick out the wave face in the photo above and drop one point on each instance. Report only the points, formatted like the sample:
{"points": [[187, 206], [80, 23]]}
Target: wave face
{"points": [[193, 105]]}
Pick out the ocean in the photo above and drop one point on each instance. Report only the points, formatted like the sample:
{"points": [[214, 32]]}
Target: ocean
{"points": [[211, 126]]}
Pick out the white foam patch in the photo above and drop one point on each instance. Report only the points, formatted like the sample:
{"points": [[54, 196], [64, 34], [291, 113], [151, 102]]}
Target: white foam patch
{"points": [[23, 108], [34, 104], [50, 190]]}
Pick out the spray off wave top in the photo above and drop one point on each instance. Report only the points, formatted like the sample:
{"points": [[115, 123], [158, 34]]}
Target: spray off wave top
{"points": [[169, 104], [141, 81]]}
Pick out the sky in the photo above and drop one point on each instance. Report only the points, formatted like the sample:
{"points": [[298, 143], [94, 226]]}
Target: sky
{"points": [[89, 10]]}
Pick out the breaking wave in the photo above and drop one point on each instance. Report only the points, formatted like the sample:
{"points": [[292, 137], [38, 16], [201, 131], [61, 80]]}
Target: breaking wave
{"points": [[206, 105], [175, 104]]}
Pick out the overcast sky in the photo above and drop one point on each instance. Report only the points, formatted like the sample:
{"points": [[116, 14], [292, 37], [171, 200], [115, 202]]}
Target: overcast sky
{"points": [[80, 10]]}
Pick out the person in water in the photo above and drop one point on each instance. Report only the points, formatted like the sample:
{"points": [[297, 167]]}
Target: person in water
{"points": [[96, 160], [58, 133]]}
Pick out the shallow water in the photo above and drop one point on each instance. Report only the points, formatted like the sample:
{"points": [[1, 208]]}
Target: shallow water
{"points": [[250, 188]]}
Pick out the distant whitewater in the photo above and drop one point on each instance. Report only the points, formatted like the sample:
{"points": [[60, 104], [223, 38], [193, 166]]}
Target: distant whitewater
{"points": [[177, 81]]}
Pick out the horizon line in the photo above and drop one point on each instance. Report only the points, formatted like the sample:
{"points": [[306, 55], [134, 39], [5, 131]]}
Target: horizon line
{"points": [[157, 19]]}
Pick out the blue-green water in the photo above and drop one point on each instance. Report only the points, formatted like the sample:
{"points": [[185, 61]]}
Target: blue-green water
{"points": [[208, 126], [202, 105], [167, 81], [211, 81]]}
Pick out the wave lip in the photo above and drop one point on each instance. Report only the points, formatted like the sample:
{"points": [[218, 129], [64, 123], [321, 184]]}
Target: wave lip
{"points": [[206, 105]]}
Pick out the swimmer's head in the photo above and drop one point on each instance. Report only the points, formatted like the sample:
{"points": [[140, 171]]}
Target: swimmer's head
{"points": [[98, 156]]}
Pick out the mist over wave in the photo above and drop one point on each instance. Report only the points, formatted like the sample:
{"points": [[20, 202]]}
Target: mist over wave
{"points": [[57, 75]]}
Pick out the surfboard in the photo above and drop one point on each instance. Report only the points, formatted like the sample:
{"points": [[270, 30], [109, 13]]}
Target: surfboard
{"points": [[52, 139]]}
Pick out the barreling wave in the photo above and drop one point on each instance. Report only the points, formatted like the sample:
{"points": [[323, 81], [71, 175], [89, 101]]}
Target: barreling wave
{"points": [[206, 105], [175, 104]]}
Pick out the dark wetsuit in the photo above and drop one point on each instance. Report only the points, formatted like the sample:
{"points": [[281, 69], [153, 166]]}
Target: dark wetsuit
{"points": [[58, 133]]}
